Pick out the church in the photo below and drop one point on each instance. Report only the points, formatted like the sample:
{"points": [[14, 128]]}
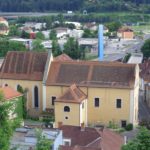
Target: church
{"points": [[89, 92]]}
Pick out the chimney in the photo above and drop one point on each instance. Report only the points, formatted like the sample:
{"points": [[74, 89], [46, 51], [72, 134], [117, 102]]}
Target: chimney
{"points": [[60, 124], [82, 127], [100, 43]]}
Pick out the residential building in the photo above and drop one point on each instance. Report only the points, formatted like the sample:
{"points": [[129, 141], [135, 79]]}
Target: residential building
{"points": [[125, 33], [87, 138], [26, 138], [15, 98], [4, 27], [77, 91], [91, 26]]}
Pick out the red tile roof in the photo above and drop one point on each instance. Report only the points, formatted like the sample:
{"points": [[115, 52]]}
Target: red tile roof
{"points": [[94, 74], [145, 70], [125, 29], [78, 148], [9, 93], [63, 57], [111, 140], [72, 95], [24, 66], [2, 19], [81, 138]]}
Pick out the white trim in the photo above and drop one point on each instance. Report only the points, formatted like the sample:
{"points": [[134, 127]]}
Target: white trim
{"points": [[131, 106], [86, 120], [81, 119], [44, 97]]}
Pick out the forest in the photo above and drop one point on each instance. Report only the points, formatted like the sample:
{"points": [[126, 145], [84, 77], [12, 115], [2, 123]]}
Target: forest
{"points": [[74, 5]]}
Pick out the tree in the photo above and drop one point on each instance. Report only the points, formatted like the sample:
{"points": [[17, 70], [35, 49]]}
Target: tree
{"points": [[141, 142], [25, 35], [6, 46], [5, 127], [53, 35], [40, 35], [42, 142], [37, 46], [146, 49], [113, 26], [56, 48], [72, 48], [13, 31], [90, 34]]}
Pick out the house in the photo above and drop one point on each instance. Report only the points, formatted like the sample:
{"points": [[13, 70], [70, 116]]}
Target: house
{"points": [[26, 138], [4, 27], [76, 24], [15, 98], [4, 21], [125, 33], [91, 26], [145, 75], [88, 92], [62, 33], [35, 25], [88, 138]]}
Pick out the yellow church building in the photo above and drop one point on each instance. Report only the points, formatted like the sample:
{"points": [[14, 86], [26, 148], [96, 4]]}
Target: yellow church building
{"points": [[88, 92]]}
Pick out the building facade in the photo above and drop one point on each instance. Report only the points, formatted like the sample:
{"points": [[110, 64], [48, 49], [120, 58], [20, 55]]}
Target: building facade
{"points": [[77, 91]]}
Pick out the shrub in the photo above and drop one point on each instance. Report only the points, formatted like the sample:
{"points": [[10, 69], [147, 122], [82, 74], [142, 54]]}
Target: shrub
{"points": [[129, 127]]}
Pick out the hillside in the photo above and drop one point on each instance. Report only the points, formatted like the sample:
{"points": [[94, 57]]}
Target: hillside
{"points": [[74, 5]]}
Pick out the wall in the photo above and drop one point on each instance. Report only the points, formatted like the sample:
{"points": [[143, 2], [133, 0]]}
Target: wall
{"points": [[73, 115], [127, 35], [107, 110], [30, 97]]}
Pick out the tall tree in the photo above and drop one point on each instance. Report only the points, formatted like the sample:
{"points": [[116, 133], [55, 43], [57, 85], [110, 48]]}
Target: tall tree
{"points": [[146, 49]]}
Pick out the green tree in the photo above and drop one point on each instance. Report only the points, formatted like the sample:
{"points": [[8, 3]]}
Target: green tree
{"points": [[6, 46], [25, 35], [56, 48], [53, 35], [72, 48], [40, 35], [90, 34], [37, 46], [42, 142], [141, 142], [146, 49], [13, 31], [113, 26]]}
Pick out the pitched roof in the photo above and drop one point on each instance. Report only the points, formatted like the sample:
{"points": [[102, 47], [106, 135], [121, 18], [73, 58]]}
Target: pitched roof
{"points": [[9, 93], [72, 95], [24, 66], [81, 138], [2, 19], [145, 70], [94, 74], [63, 57], [125, 29], [111, 140], [78, 148]]}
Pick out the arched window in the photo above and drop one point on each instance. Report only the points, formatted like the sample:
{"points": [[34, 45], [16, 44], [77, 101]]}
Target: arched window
{"points": [[66, 109], [36, 97]]}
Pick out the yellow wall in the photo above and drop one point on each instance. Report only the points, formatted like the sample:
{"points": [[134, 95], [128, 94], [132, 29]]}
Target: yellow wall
{"points": [[73, 115], [107, 110], [29, 85]]}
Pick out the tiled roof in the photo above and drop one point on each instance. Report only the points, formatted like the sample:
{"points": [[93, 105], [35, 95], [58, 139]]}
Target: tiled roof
{"points": [[78, 148], [72, 95], [2, 19], [81, 138], [9, 93], [24, 66], [125, 29], [63, 57], [145, 70], [94, 74], [111, 140]]}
